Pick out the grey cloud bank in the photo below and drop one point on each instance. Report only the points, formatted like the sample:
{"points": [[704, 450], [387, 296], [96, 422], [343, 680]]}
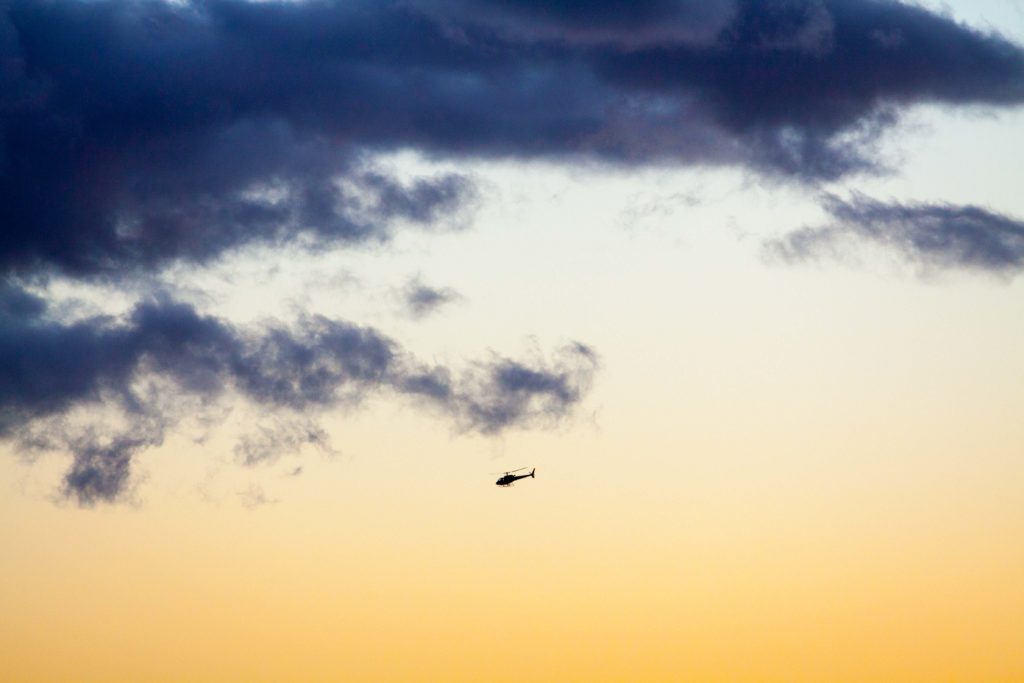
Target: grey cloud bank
{"points": [[135, 132]]}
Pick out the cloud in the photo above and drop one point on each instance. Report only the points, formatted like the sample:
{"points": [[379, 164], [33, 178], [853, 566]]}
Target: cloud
{"points": [[255, 497], [505, 392], [421, 300], [138, 132], [17, 303], [607, 22], [101, 472], [933, 236], [267, 443], [138, 376]]}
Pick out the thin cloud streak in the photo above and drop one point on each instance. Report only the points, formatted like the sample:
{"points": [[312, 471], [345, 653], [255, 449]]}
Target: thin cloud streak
{"points": [[934, 236]]}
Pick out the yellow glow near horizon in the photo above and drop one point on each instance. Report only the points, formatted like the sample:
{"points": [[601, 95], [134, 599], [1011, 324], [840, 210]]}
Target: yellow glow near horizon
{"points": [[631, 557]]}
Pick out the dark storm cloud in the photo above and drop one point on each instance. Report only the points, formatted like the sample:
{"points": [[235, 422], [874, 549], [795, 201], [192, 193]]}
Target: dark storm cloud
{"points": [[934, 236], [135, 132], [627, 24], [17, 303], [808, 83], [138, 366]]}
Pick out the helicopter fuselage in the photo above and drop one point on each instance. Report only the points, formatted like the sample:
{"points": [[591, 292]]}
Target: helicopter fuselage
{"points": [[507, 479]]}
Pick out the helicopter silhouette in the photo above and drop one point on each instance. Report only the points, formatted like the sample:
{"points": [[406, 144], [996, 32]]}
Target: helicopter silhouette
{"points": [[509, 477]]}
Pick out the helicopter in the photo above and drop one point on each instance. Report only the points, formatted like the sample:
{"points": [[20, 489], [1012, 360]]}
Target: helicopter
{"points": [[509, 477]]}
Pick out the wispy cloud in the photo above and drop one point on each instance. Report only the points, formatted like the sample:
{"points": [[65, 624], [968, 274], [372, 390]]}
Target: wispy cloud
{"points": [[933, 236], [255, 497], [268, 442], [150, 367], [421, 300]]}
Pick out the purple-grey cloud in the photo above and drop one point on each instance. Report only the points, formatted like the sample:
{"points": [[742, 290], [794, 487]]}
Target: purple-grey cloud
{"points": [[934, 236], [420, 300], [137, 366], [135, 132]]}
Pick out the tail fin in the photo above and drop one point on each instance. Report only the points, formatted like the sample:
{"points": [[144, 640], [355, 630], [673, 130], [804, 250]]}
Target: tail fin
{"points": [[532, 471]]}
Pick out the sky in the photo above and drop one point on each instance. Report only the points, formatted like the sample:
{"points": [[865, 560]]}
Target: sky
{"points": [[286, 286]]}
